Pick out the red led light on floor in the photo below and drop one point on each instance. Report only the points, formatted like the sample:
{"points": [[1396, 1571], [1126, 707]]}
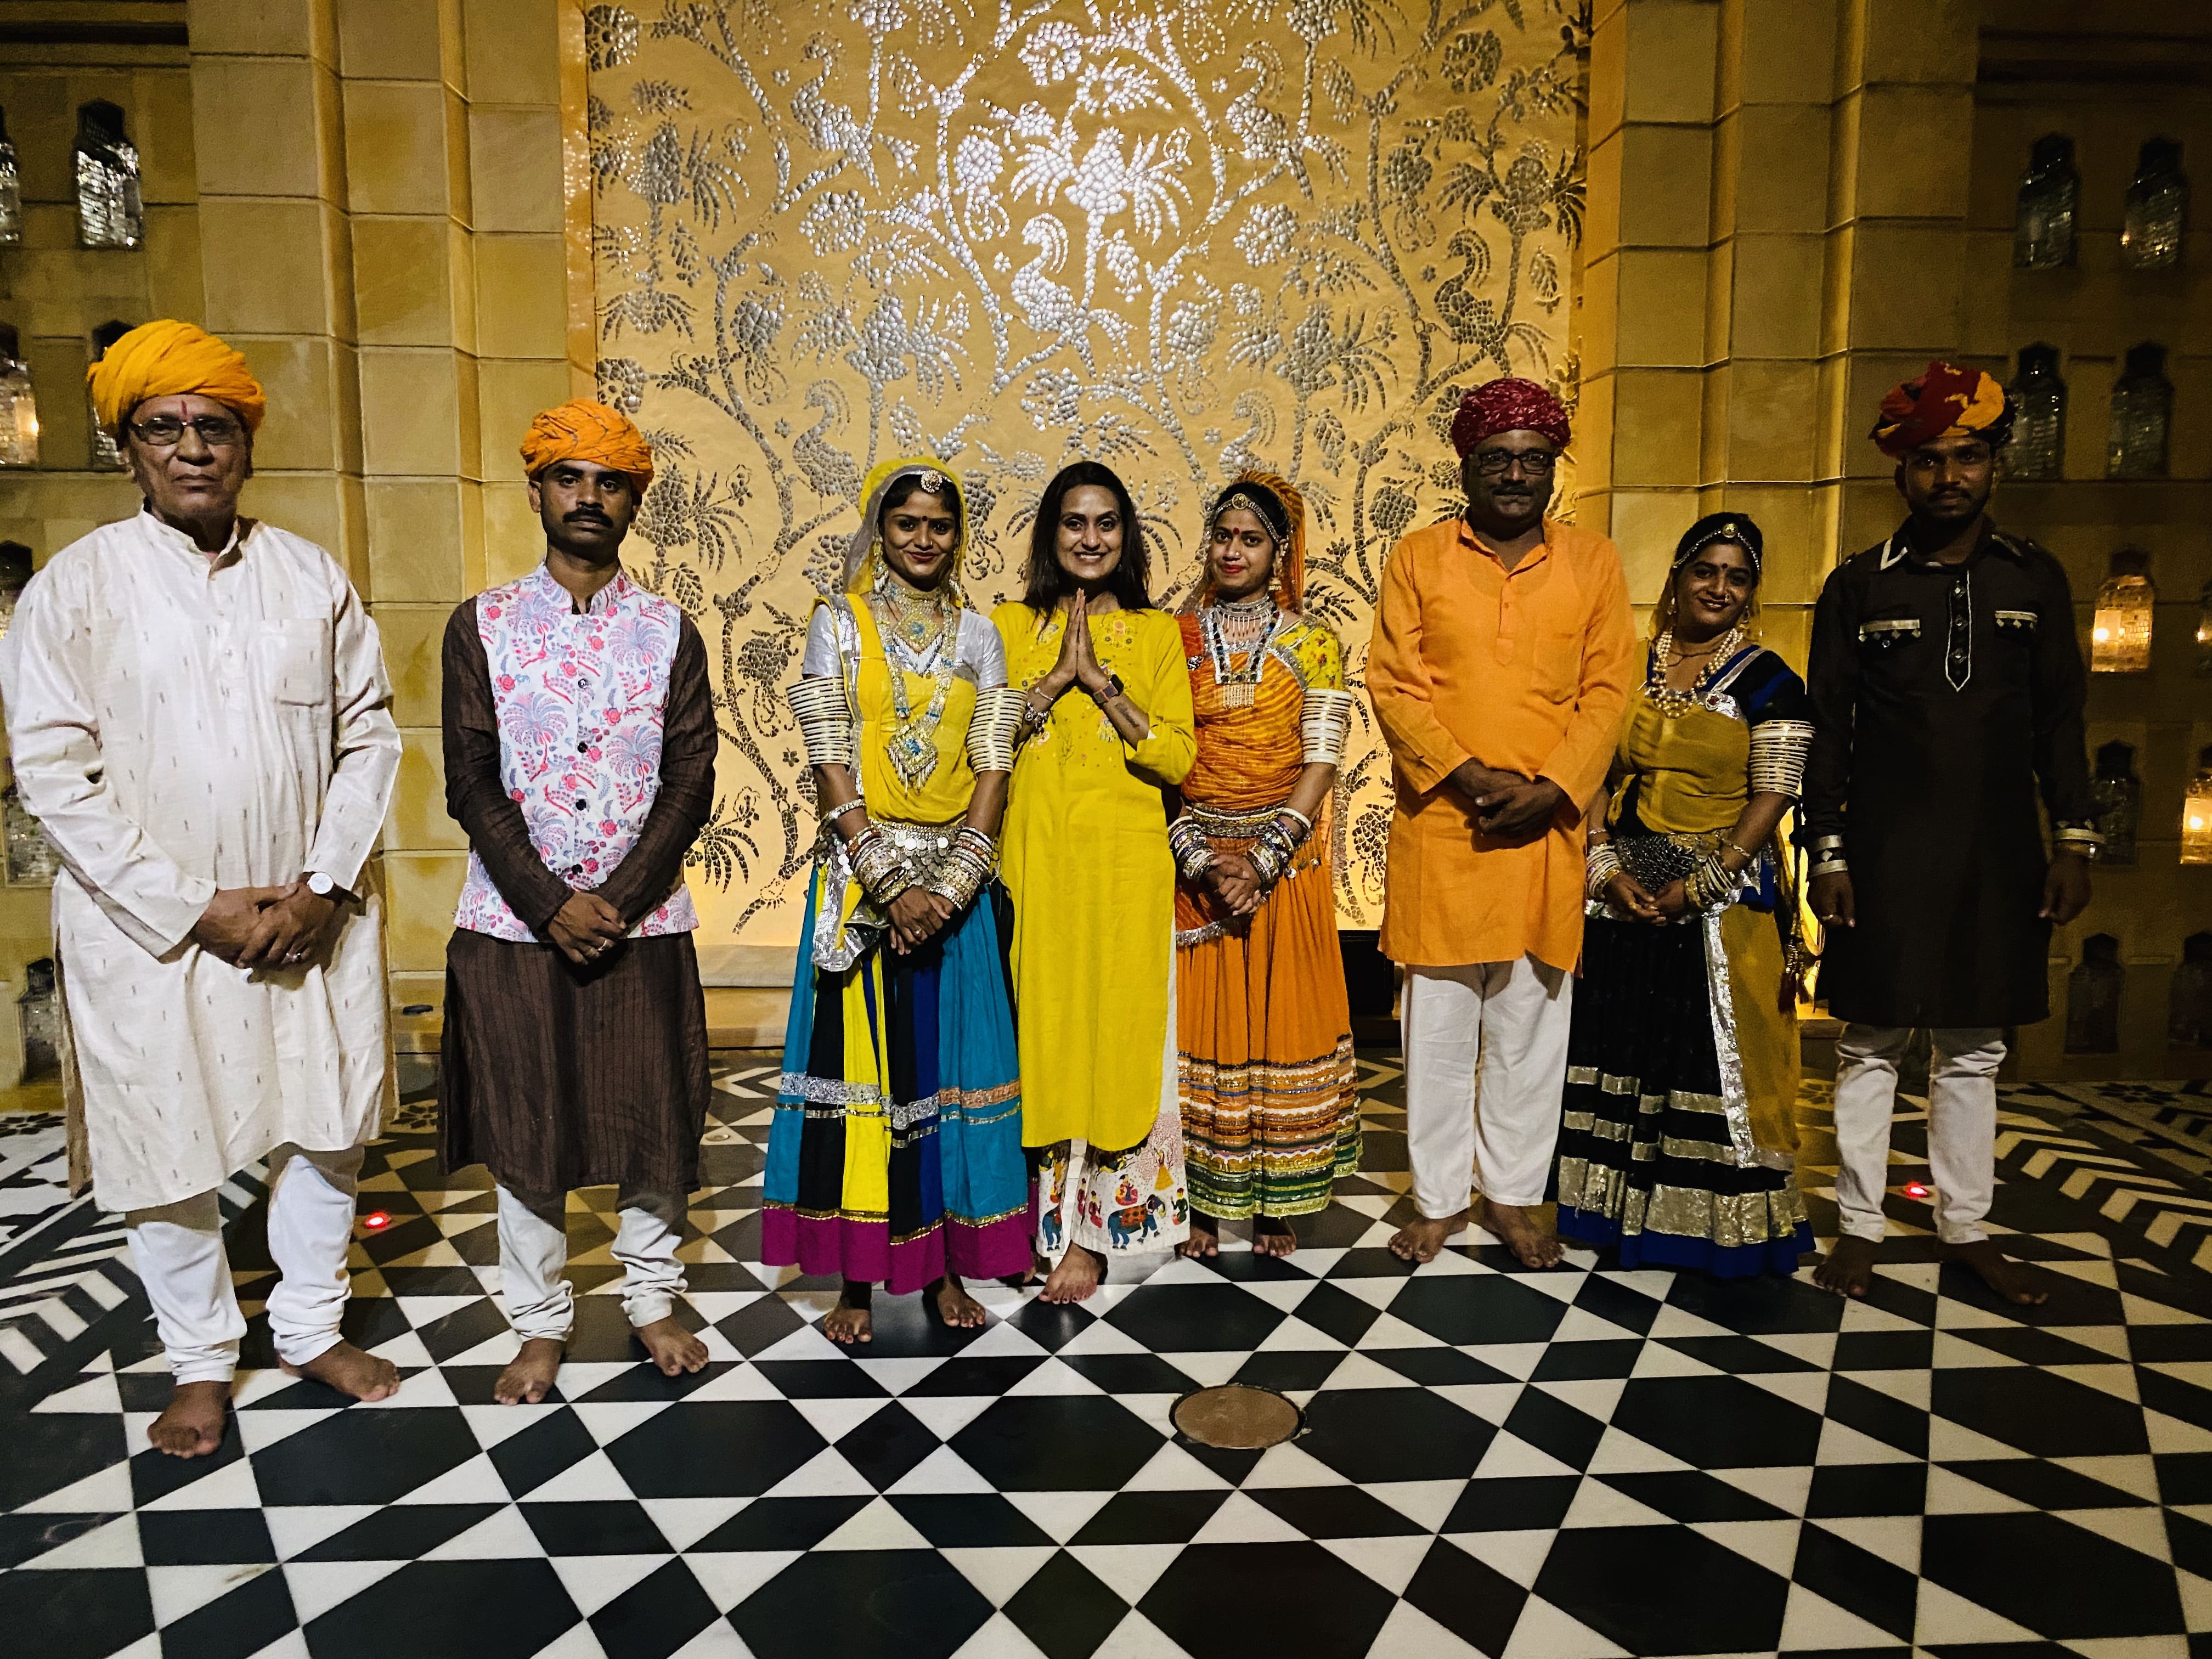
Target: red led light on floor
{"points": [[1916, 1189], [374, 1219]]}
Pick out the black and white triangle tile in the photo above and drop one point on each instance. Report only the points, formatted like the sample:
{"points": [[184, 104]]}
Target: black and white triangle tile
{"points": [[1555, 1465]]}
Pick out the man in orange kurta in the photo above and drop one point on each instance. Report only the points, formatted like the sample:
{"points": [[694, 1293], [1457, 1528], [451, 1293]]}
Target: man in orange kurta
{"points": [[1500, 671]]}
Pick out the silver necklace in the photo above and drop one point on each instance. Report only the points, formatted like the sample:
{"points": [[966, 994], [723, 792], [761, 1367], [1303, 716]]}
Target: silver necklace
{"points": [[1239, 686]]}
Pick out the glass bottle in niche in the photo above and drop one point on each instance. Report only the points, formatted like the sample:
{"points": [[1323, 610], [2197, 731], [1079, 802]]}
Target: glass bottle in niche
{"points": [[38, 1015], [2118, 792], [2204, 634], [11, 190], [107, 453], [2127, 608], [2196, 813], [14, 577], [2157, 213], [19, 403], [2092, 998], [2043, 213], [32, 860], [110, 213], [2142, 410], [2038, 446], [2189, 998]]}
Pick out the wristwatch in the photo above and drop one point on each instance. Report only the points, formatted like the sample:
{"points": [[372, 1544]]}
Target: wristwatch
{"points": [[1107, 692], [322, 887]]}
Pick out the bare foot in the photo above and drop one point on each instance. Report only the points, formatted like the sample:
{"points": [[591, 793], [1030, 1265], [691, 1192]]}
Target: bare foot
{"points": [[957, 1309], [1420, 1239], [1075, 1278], [1272, 1236], [1525, 1230], [1205, 1238], [850, 1321], [346, 1369], [670, 1346], [1848, 1269], [2008, 1278], [530, 1375], [190, 1425]]}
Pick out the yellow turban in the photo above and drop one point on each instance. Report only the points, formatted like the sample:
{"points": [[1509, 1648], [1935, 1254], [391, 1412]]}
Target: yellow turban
{"points": [[168, 359], [582, 430]]}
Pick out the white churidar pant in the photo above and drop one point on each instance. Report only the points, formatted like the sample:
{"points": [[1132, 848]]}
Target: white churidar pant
{"points": [[533, 1251], [1505, 1022], [1962, 1125], [177, 1250]]}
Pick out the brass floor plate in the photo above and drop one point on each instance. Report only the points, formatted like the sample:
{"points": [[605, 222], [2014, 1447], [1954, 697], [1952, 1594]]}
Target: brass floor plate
{"points": [[1237, 1417]]}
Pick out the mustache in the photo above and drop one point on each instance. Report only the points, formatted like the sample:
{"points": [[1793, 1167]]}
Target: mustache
{"points": [[586, 515]]}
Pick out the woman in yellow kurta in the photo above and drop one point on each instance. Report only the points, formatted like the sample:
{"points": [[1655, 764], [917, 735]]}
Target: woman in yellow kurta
{"points": [[1678, 1142], [1106, 726], [1270, 1108]]}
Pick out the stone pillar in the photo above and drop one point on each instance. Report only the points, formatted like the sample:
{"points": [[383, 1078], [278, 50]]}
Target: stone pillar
{"points": [[277, 254], [1641, 424], [385, 237]]}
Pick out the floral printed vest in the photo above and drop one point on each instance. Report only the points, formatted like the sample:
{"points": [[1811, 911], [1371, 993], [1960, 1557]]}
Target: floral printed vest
{"points": [[582, 701]]}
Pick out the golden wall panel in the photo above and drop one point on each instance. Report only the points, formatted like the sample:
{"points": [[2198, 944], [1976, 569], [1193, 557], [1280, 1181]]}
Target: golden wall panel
{"points": [[1176, 236]]}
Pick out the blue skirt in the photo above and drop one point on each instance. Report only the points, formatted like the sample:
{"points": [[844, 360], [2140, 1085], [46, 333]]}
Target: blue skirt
{"points": [[896, 1155]]}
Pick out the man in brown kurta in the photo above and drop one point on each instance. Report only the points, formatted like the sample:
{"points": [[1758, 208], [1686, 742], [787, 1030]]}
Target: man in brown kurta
{"points": [[580, 757], [1500, 670]]}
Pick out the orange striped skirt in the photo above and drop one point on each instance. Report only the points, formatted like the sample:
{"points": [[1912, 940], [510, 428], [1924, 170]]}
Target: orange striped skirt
{"points": [[1270, 1099]]}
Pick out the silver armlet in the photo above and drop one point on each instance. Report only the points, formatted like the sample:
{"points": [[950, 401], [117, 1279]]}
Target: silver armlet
{"points": [[991, 729], [1324, 727], [825, 721], [1779, 749]]}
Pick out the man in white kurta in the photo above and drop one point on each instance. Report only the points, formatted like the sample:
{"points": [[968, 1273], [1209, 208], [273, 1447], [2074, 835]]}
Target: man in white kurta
{"points": [[199, 716]]}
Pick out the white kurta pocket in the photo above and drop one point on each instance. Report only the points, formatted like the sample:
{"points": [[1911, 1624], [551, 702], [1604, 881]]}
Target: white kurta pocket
{"points": [[294, 658]]}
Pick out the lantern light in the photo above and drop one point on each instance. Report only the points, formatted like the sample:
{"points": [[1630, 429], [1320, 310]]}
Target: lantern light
{"points": [[2119, 639], [2196, 813]]}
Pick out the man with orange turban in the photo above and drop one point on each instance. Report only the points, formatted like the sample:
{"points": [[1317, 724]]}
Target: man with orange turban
{"points": [[201, 721], [580, 758], [1500, 670], [1948, 693]]}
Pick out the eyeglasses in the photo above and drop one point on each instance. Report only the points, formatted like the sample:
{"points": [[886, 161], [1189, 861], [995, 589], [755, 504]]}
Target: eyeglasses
{"points": [[1497, 462], [166, 431]]}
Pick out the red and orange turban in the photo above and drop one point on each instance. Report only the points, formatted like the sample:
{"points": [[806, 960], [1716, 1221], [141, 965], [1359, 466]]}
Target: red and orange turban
{"points": [[169, 359], [1510, 405], [1945, 402], [582, 430]]}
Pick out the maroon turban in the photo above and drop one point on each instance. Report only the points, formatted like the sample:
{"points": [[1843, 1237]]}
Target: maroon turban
{"points": [[1510, 405]]}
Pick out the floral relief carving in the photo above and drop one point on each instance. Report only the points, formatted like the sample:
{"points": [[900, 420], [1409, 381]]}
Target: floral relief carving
{"points": [[1179, 236]]}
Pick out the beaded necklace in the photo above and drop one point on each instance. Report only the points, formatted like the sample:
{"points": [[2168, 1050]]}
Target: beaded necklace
{"points": [[1664, 697], [1258, 620]]}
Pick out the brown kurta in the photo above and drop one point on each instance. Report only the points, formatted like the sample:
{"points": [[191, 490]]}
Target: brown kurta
{"points": [[557, 1076]]}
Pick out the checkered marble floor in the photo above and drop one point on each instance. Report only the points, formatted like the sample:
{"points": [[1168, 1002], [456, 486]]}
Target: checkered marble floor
{"points": [[1575, 1462]]}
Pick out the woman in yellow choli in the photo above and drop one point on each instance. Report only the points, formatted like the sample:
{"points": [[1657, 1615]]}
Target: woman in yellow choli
{"points": [[1679, 1139], [896, 1153], [1107, 726]]}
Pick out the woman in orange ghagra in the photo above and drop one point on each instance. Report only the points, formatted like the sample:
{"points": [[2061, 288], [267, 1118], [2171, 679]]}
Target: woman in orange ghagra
{"points": [[1270, 1111]]}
